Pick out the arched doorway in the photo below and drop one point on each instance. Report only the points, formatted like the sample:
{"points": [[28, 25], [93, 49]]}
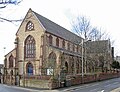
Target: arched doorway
{"points": [[29, 68]]}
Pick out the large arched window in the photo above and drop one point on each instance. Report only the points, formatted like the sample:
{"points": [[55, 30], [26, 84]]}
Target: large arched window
{"points": [[11, 61], [29, 69], [30, 47]]}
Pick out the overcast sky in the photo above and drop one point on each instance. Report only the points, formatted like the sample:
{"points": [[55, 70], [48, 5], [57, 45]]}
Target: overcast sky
{"points": [[103, 14]]}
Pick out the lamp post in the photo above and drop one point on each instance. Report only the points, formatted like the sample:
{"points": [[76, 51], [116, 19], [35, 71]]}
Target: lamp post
{"points": [[83, 51], [23, 68], [82, 60]]}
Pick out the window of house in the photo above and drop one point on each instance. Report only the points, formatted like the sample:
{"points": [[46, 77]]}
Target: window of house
{"points": [[57, 42], [63, 44], [29, 69], [29, 26], [50, 39], [11, 61], [29, 47]]}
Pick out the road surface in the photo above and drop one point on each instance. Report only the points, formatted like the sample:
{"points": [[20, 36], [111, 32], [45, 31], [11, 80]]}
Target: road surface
{"points": [[102, 86]]}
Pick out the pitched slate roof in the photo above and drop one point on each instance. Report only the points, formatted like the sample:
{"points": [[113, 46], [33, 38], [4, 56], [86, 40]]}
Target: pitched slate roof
{"points": [[57, 30], [98, 46]]}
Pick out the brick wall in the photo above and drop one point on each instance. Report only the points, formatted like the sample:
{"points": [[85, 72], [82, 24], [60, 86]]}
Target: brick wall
{"points": [[45, 82]]}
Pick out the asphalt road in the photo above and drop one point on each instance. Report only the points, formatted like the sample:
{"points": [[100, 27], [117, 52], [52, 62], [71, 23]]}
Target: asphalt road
{"points": [[6, 88], [102, 86]]}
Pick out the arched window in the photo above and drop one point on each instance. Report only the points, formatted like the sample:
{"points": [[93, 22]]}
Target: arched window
{"points": [[77, 66], [11, 72], [66, 66], [68, 46], [73, 47], [29, 69], [72, 67], [29, 47], [77, 48], [57, 42], [52, 60], [11, 60], [29, 26], [63, 44], [50, 39]]}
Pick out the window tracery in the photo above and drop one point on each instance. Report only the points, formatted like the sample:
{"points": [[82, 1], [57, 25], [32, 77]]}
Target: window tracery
{"points": [[29, 26], [30, 47]]}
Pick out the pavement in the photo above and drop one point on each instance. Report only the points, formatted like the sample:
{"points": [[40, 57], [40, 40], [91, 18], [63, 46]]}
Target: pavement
{"points": [[36, 89], [116, 90], [65, 89]]}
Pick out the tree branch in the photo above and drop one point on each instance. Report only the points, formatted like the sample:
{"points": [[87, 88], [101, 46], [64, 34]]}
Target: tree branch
{"points": [[4, 3], [10, 20]]}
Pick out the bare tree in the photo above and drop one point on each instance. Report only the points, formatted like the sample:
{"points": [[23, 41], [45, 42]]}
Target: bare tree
{"points": [[4, 4], [83, 28]]}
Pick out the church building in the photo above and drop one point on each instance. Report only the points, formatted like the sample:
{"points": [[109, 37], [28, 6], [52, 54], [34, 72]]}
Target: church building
{"points": [[47, 54], [43, 49]]}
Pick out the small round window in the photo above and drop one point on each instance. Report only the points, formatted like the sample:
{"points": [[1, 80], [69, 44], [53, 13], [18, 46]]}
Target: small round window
{"points": [[30, 26]]}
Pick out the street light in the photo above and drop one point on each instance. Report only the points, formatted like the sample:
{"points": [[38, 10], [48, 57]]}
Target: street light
{"points": [[82, 43], [82, 60]]}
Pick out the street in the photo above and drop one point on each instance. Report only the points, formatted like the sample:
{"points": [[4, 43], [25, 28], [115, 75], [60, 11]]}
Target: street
{"points": [[6, 88], [102, 86]]}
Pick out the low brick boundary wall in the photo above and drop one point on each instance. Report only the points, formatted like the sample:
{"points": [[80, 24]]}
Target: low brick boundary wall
{"points": [[45, 82], [78, 79]]}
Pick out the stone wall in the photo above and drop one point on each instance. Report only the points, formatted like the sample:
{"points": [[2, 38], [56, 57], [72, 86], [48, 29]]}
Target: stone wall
{"points": [[36, 83], [71, 80]]}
